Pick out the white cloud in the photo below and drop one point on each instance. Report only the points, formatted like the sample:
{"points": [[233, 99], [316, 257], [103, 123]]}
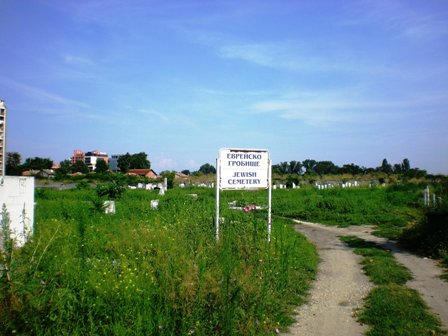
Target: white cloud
{"points": [[77, 60], [286, 55], [413, 21], [45, 102], [154, 113], [325, 108], [165, 163]]}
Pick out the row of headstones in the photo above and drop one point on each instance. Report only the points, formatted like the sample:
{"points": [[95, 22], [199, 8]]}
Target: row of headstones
{"points": [[350, 184], [431, 200], [283, 186], [324, 186], [109, 206], [318, 185], [343, 185], [203, 185], [149, 186]]}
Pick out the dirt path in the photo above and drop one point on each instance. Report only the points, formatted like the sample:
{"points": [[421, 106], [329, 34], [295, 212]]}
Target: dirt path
{"points": [[337, 292], [341, 285]]}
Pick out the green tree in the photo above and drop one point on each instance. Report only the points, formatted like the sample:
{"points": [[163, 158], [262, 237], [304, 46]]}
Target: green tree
{"points": [[101, 166], [398, 168], [37, 163], [351, 169], [406, 166], [207, 169], [170, 176], [124, 163], [309, 166], [385, 167], [79, 167], [186, 172], [416, 173], [64, 167], [13, 167], [112, 190], [281, 168], [133, 161], [326, 167], [295, 167], [139, 161]]}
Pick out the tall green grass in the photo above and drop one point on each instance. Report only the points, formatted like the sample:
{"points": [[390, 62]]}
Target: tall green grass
{"points": [[390, 209], [154, 272]]}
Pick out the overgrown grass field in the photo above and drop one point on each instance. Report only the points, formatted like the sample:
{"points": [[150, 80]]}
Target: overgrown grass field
{"points": [[390, 209], [162, 272], [153, 272]]}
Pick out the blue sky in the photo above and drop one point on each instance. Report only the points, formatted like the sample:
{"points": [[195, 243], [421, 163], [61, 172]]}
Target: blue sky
{"points": [[346, 81]]}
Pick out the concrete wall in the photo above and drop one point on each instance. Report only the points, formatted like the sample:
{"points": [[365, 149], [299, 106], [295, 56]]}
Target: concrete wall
{"points": [[17, 193]]}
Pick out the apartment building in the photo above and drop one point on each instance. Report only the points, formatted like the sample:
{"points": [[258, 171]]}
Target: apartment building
{"points": [[78, 155], [92, 157], [2, 138], [89, 158]]}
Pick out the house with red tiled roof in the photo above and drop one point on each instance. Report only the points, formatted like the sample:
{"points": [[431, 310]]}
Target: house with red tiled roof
{"points": [[181, 176], [45, 173], [149, 173]]}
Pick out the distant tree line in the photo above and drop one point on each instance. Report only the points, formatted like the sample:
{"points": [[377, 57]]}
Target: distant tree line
{"points": [[14, 166], [125, 162], [128, 161], [205, 169], [312, 167]]}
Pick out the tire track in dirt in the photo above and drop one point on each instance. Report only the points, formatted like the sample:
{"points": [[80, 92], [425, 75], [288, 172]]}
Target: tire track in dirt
{"points": [[341, 285]]}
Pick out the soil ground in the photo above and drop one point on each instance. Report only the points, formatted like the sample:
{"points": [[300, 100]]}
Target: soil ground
{"points": [[341, 285]]}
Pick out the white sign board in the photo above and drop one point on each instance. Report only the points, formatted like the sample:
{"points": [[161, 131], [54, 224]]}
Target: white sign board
{"points": [[243, 169]]}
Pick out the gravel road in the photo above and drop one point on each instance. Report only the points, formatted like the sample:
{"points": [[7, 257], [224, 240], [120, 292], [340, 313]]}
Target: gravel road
{"points": [[341, 285]]}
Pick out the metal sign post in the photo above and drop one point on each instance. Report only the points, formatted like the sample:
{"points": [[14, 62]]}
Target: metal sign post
{"points": [[217, 197], [243, 169], [269, 200]]}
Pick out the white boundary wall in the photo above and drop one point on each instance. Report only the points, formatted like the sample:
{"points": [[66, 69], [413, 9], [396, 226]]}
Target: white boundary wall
{"points": [[17, 193]]}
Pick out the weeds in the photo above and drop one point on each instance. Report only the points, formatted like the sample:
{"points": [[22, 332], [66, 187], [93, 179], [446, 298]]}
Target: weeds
{"points": [[6, 246], [379, 264], [156, 272], [389, 209], [398, 310], [391, 308]]}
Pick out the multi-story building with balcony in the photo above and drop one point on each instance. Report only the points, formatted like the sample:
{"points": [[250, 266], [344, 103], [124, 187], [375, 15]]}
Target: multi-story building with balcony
{"points": [[89, 158], [2, 138], [92, 157]]}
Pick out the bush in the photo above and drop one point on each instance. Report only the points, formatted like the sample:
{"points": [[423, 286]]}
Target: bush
{"points": [[111, 190], [430, 235]]}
